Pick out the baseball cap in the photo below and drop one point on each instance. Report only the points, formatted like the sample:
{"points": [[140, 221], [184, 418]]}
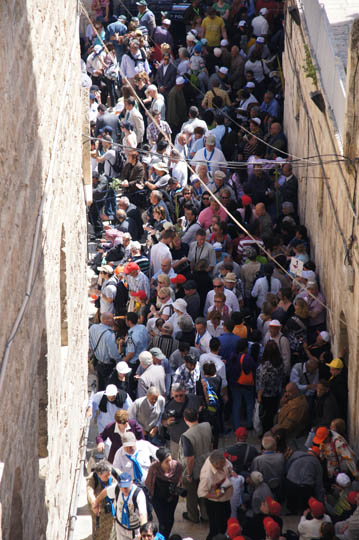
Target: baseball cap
{"points": [[119, 270], [224, 43], [275, 322], [123, 368], [217, 246], [180, 80], [141, 3], [325, 336], [156, 351], [316, 507], [343, 480], [131, 267], [166, 21], [125, 479], [190, 285], [217, 52], [211, 139], [223, 70], [273, 506], [179, 279], [190, 36], [263, 11], [250, 84], [242, 23], [111, 390], [246, 200], [231, 277], [320, 435], [105, 268], [241, 433], [336, 363], [139, 294], [256, 120], [271, 527], [260, 39]]}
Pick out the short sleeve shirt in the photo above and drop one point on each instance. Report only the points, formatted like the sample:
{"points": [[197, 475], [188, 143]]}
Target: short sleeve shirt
{"points": [[212, 30]]}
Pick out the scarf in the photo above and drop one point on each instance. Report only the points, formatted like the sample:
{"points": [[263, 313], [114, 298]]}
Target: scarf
{"points": [[137, 469], [156, 471], [209, 159], [125, 516], [120, 399]]}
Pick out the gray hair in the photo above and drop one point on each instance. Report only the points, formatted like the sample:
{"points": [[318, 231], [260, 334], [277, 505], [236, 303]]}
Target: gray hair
{"points": [[125, 200], [269, 443], [135, 246], [127, 235], [185, 323], [178, 387], [152, 391], [157, 194], [217, 456], [102, 466]]}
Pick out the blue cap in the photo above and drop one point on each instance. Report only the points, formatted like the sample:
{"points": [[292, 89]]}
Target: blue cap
{"points": [[198, 47], [92, 96], [125, 480], [108, 128]]}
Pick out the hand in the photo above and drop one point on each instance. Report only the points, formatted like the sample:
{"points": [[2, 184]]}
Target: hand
{"points": [[100, 447], [170, 420], [153, 431], [189, 478], [306, 512], [89, 412], [125, 183], [95, 507]]}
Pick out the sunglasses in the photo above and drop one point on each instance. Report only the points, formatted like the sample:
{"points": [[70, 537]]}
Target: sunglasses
{"points": [[123, 422], [162, 297], [205, 198], [217, 286]]}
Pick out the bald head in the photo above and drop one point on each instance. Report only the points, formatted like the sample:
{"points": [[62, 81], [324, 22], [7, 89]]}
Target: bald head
{"points": [[275, 128], [312, 365], [291, 390], [107, 319], [260, 209]]}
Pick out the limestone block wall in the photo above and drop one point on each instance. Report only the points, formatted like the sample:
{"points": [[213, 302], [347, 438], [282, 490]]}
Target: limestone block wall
{"points": [[326, 195], [45, 382]]}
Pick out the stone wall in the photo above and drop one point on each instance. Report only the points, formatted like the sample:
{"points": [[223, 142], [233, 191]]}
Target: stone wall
{"points": [[326, 195], [44, 388]]}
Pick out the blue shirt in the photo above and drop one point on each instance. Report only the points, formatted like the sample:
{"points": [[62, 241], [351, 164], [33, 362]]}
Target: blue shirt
{"points": [[137, 341], [228, 345], [107, 349], [271, 108], [111, 30]]}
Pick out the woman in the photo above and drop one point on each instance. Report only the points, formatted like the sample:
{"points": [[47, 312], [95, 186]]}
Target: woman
{"points": [[297, 329], [265, 285], [241, 376], [179, 308], [285, 308], [162, 479], [216, 488], [111, 73], [269, 383], [129, 140], [264, 318], [187, 331], [142, 82], [96, 482], [202, 172], [215, 324], [219, 234], [113, 432]]}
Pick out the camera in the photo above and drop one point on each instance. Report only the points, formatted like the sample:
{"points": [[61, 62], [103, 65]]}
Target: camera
{"points": [[171, 413], [108, 507], [177, 490]]}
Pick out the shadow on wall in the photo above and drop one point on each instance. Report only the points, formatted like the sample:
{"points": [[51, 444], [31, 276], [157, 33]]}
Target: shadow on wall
{"points": [[22, 489]]}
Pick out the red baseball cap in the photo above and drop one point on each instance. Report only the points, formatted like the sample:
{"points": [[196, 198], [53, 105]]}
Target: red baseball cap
{"points": [[234, 530], [139, 294], [273, 506], [272, 528], [179, 279], [241, 433], [320, 435], [131, 267], [352, 497], [246, 200], [316, 507], [232, 520]]}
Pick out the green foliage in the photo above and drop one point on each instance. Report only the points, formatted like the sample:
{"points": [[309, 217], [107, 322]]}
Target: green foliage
{"points": [[309, 68]]}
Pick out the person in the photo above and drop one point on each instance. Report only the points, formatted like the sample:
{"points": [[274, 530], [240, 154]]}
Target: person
{"points": [[218, 287], [147, 411], [216, 488], [112, 433], [152, 375], [134, 61], [258, 490], [200, 249], [134, 457], [166, 75], [101, 516], [134, 116], [136, 280], [304, 479], [210, 155], [325, 407], [213, 28], [265, 285], [336, 453], [241, 370], [228, 340], [130, 506], [203, 337], [274, 334], [103, 346], [176, 105], [306, 376], [241, 453], [107, 402], [149, 531], [311, 521], [338, 384], [348, 529], [192, 299], [173, 419], [188, 374], [165, 340], [162, 480], [108, 288], [161, 251], [136, 341], [293, 415], [194, 446], [271, 464], [120, 376]]}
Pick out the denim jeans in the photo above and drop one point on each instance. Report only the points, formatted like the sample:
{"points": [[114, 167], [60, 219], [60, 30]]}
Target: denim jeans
{"points": [[242, 393]]}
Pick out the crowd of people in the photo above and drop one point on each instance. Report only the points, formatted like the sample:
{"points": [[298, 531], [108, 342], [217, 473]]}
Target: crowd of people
{"points": [[210, 317]]}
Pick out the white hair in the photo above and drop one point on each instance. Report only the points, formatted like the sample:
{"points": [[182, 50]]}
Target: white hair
{"points": [[125, 200]]}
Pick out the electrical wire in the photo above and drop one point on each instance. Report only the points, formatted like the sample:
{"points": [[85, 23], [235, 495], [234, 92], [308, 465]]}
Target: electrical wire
{"points": [[268, 255]]}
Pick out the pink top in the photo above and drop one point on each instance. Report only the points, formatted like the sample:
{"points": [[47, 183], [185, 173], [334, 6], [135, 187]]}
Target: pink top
{"points": [[205, 217]]}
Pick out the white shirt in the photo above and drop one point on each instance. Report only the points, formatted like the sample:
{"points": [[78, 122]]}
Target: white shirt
{"points": [[144, 451], [158, 104], [128, 67], [218, 362], [215, 332], [202, 344], [107, 417], [260, 289], [260, 26], [231, 300], [284, 348], [110, 158], [310, 528], [159, 252], [195, 122], [214, 160], [180, 173]]}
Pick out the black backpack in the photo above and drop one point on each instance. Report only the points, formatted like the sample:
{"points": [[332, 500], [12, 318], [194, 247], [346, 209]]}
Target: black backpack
{"points": [[118, 164], [121, 299]]}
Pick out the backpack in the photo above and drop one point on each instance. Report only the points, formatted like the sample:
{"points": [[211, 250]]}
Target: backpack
{"points": [[246, 379], [118, 164], [121, 299], [213, 401], [228, 143]]}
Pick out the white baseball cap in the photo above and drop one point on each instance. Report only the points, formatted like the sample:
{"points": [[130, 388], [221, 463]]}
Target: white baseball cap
{"points": [[190, 37], [111, 390], [325, 336], [242, 23], [180, 80], [217, 52], [166, 21], [256, 120], [123, 368], [223, 70], [250, 84], [260, 39], [263, 11], [274, 322], [224, 43]]}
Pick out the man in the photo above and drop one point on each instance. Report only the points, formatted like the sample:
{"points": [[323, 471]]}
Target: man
{"points": [[166, 269], [274, 333], [99, 192], [317, 311], [135, 457], [236, 69], [113, 433], [137, 257], [159, 177], [201, 250], [103, 346], [288, 186], [162, 34], [156, 128], [190, 225], [108, 288], [194, 120], [228, 340], [203, 337], [136, 280], [105, 118], [134, 116], [146, 16], [126, 224], [165, 341], [152, 375], [148, 410], [293, 414], [336, 453], [107, 402], [108, 158], [271, 464], [311, 526], [132, 176], [192, 299], [166, 75], [348, 529], [306, 376], [188, 374], [124, 203], [102, 520], [210, 155], [136, 341], [213, 28], [265, 221], [194, 447], [270, 105], [260, 24], [161, 251], [133, 62], [177, 357], [218, 287], [218, 185], [130, 505], [275, 138], [259, 184], [214, 357], [304, 479], [242, 453], [173, 418], [176, 106], [338, 384], [179, 170]]}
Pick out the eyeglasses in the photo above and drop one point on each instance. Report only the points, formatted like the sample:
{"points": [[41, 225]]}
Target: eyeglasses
{"points": [[205, 198], [217, 286], [178, 395], [162, 297]]}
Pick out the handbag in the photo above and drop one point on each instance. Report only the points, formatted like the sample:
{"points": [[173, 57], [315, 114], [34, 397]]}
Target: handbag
{"points": [[111, 72], [92, 355]]}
